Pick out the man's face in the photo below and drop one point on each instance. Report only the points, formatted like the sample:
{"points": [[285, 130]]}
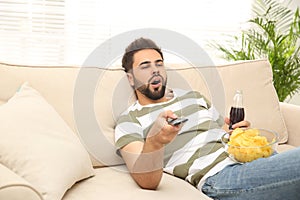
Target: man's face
{"points": [[149, 76]]}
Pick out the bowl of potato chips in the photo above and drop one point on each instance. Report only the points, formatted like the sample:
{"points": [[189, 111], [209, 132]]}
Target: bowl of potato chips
{"points": [[246, 145]]}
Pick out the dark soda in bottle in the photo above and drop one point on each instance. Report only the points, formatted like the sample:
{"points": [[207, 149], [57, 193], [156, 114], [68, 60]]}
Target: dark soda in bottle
{"points": [[237, 112]]}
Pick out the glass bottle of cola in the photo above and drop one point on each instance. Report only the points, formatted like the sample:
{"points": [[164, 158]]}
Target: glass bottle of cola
{"points": [[237, 112]]}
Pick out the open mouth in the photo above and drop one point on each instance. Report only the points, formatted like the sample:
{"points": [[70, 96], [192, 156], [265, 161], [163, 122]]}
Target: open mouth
{"points": [[155, 82]]}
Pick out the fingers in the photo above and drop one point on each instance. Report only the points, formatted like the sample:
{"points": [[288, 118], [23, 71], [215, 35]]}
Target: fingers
{"points": [[227, 120], [241, 124], [169, 114], [161, 127]]}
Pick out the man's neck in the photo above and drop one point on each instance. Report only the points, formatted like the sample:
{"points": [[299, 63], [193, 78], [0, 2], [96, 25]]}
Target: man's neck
{"points": [[143, 100]]}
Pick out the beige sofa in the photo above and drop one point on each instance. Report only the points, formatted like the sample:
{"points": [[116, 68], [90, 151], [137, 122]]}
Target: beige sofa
{"points": [[41, 158]]}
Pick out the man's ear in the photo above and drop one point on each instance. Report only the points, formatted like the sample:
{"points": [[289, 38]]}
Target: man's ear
{"points": [[130, 79]]}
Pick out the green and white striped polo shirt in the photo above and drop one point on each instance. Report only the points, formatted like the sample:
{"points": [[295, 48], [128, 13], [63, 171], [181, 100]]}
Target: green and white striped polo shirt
{"points": [[196, 152]]}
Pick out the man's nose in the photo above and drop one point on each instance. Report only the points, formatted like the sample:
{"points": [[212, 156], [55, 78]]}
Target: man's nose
{"points": [[155, 70]]}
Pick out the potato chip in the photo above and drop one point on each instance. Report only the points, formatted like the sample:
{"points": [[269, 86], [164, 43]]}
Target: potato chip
{"points": [[247, 145]]}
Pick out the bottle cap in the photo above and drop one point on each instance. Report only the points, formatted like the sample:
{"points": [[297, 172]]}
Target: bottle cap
{"points": [[238, 99]]}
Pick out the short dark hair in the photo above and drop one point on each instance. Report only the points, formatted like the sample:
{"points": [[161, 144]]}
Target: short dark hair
{"points": [[135, 46]]}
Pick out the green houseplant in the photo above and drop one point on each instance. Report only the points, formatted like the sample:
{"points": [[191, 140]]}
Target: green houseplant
{"points": [[274, 34]]}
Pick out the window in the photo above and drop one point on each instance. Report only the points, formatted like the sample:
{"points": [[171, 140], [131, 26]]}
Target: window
{"points": [[64, 32], [32, 31]]}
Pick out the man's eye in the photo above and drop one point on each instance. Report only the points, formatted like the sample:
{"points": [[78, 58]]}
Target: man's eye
{"points": [[145, 66], [159, 64]]}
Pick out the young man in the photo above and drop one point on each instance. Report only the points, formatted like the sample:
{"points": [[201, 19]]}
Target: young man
{"points": [[149, 144]]}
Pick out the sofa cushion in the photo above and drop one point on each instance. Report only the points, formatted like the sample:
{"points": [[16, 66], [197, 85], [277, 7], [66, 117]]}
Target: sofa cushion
{"points": [[15, 187], [37, 145], [116, 183], [55, 83], [261, 102]]}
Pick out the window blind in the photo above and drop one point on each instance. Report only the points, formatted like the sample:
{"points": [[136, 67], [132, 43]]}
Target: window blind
{"points": [[31, 31], [65, 32]]}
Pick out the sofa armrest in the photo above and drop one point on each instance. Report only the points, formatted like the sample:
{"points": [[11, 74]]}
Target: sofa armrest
{"points": [[291, 115], [15, 187]]}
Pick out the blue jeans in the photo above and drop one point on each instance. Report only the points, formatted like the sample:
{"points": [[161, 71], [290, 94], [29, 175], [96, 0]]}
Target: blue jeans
{"points": [[276, 177]]}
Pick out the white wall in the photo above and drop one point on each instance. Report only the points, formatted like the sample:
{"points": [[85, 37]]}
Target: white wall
{"points": [[296, 98]]}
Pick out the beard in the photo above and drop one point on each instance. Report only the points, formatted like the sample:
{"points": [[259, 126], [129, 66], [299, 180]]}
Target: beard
{"points": [[158, 93]]}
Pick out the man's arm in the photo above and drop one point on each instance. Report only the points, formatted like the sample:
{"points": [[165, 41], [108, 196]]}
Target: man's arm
{"points": [[145, 159], [145, 163]]}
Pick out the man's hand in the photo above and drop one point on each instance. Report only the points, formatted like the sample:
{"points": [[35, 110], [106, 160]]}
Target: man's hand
{"points": [[161, 132], [241, 124]]}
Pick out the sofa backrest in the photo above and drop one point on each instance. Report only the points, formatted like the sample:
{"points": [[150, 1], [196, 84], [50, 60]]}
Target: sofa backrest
{"points": [[90, 99]]}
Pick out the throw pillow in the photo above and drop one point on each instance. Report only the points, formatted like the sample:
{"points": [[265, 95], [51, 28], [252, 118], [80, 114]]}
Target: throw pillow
{"points": [[38, 145]]}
